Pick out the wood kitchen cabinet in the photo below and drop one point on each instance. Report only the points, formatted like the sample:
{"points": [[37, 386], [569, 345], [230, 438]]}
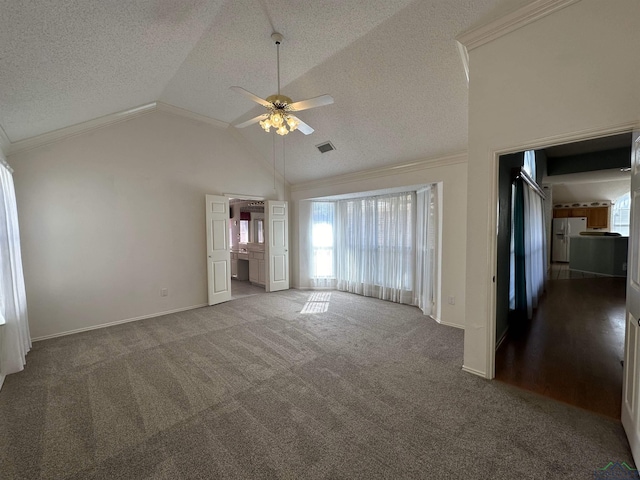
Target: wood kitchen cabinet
{"points": [[598, 217], [579, 212]]}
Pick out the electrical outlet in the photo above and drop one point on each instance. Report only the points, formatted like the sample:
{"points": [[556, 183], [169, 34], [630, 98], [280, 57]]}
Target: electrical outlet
{"points": [[164, 292], [452, 300]]}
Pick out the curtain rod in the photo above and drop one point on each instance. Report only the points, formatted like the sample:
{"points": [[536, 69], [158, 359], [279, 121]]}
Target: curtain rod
{"points": [[531, 182]]}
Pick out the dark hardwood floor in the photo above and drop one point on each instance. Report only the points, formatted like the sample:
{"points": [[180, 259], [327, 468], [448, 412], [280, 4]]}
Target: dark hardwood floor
{"points": [[572, 349]]}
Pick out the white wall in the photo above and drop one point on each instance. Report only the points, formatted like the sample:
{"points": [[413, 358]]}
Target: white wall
{"points": [[109, 217], [568, 74], [452, 172]]}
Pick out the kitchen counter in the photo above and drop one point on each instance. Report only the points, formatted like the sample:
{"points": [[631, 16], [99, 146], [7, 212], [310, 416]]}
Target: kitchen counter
{"points": [[602, 255]]}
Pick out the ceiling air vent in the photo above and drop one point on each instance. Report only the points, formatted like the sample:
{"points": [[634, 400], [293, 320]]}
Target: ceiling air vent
{"points": [[325, 147]]}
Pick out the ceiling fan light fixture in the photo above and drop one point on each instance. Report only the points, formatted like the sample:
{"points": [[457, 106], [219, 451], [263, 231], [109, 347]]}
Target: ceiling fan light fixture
{"points": [[280, 120], [280, 108]]}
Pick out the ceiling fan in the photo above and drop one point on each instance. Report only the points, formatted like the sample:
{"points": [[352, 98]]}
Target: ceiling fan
{"points": [[280, 108]]}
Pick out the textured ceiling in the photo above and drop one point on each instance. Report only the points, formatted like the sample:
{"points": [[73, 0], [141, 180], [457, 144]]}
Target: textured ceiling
{"points": [[393, 68]]}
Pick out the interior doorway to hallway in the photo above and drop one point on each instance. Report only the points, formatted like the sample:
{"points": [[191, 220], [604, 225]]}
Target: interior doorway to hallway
{"points": [[572, 347]]}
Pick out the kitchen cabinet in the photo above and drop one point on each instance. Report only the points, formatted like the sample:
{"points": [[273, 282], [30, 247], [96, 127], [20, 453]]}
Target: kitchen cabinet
{"points": [[598, 217], [257, 267], [579, 212]]}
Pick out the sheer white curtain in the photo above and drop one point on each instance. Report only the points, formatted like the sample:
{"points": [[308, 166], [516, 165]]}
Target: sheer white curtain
{"points": [[374, 246], [15, 340], [534, 248], [426, 250], [322, 257]]}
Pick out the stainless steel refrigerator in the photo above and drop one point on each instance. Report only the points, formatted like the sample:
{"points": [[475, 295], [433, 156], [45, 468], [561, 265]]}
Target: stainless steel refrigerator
{"points": [[563, 230]]}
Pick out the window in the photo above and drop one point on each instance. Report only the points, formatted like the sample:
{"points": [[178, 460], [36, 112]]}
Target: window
{"points": [[530, 164], [322, 221], [620, 215], [375, 246], [244, 231], [260, 230]]}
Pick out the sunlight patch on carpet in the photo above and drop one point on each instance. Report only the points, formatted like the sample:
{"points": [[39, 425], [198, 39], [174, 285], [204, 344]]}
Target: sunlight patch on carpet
{"points": [[318, 302]]}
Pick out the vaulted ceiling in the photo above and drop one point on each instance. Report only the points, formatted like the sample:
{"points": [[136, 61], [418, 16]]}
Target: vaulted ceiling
{"points": [[393, 68]]}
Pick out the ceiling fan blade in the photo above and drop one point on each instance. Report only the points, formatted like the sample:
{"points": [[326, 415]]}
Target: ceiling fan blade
{"points": [[252, 121], [251, 96], [303, 127], [320, 101]]}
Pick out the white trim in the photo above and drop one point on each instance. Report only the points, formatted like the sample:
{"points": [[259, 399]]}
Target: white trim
{"points": [[382, 172], [572, 137], [5, 143], [10, 148], [449, 324], [488, 32], [73, 130], [474, 371], [117, 322], [464, 56], [2, 377], [242, 196], [492, 247], [183, 112]]}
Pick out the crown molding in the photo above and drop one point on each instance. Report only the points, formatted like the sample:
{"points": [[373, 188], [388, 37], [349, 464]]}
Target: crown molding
{"points": [[488, 32], [382, 172], [464, 56], [77, 129], [11, 148], [183, 112]]}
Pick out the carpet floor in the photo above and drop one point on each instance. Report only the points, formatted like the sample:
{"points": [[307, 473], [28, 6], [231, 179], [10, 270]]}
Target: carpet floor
{"points": [[254, 388]]}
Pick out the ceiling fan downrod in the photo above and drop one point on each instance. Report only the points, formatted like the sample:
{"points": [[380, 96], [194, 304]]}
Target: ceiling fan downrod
{"points": [[277, 37]]}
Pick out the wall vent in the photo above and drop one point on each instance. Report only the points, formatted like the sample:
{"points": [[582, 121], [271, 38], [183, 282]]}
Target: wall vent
{"points": [[325, 147]]}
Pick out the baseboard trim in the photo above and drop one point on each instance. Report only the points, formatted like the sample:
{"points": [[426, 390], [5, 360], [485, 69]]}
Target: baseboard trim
{"points": [[474, 371], [449, 324], [2, 377], [117, 322]]}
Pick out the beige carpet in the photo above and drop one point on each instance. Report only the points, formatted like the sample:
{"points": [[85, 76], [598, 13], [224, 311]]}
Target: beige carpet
{"points": [[255, 389]]}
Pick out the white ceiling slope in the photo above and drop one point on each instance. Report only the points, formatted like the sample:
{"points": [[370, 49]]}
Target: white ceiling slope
{"points": [[393, 68], [62, 63]]}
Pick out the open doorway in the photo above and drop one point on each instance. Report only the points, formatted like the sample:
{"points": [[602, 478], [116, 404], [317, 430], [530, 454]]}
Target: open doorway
{"points": [[247, 240], [572, 347]]}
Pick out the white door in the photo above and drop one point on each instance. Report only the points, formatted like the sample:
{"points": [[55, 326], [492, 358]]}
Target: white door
{"points": [[630, 380], [277, 245], [218, 249]]}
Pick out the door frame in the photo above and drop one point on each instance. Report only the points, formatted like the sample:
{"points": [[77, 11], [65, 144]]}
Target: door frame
{"points": [[243, 197], [494, 208]]}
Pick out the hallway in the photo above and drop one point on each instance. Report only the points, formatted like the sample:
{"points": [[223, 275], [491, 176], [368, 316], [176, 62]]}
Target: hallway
{"points": [[572, 349]]}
